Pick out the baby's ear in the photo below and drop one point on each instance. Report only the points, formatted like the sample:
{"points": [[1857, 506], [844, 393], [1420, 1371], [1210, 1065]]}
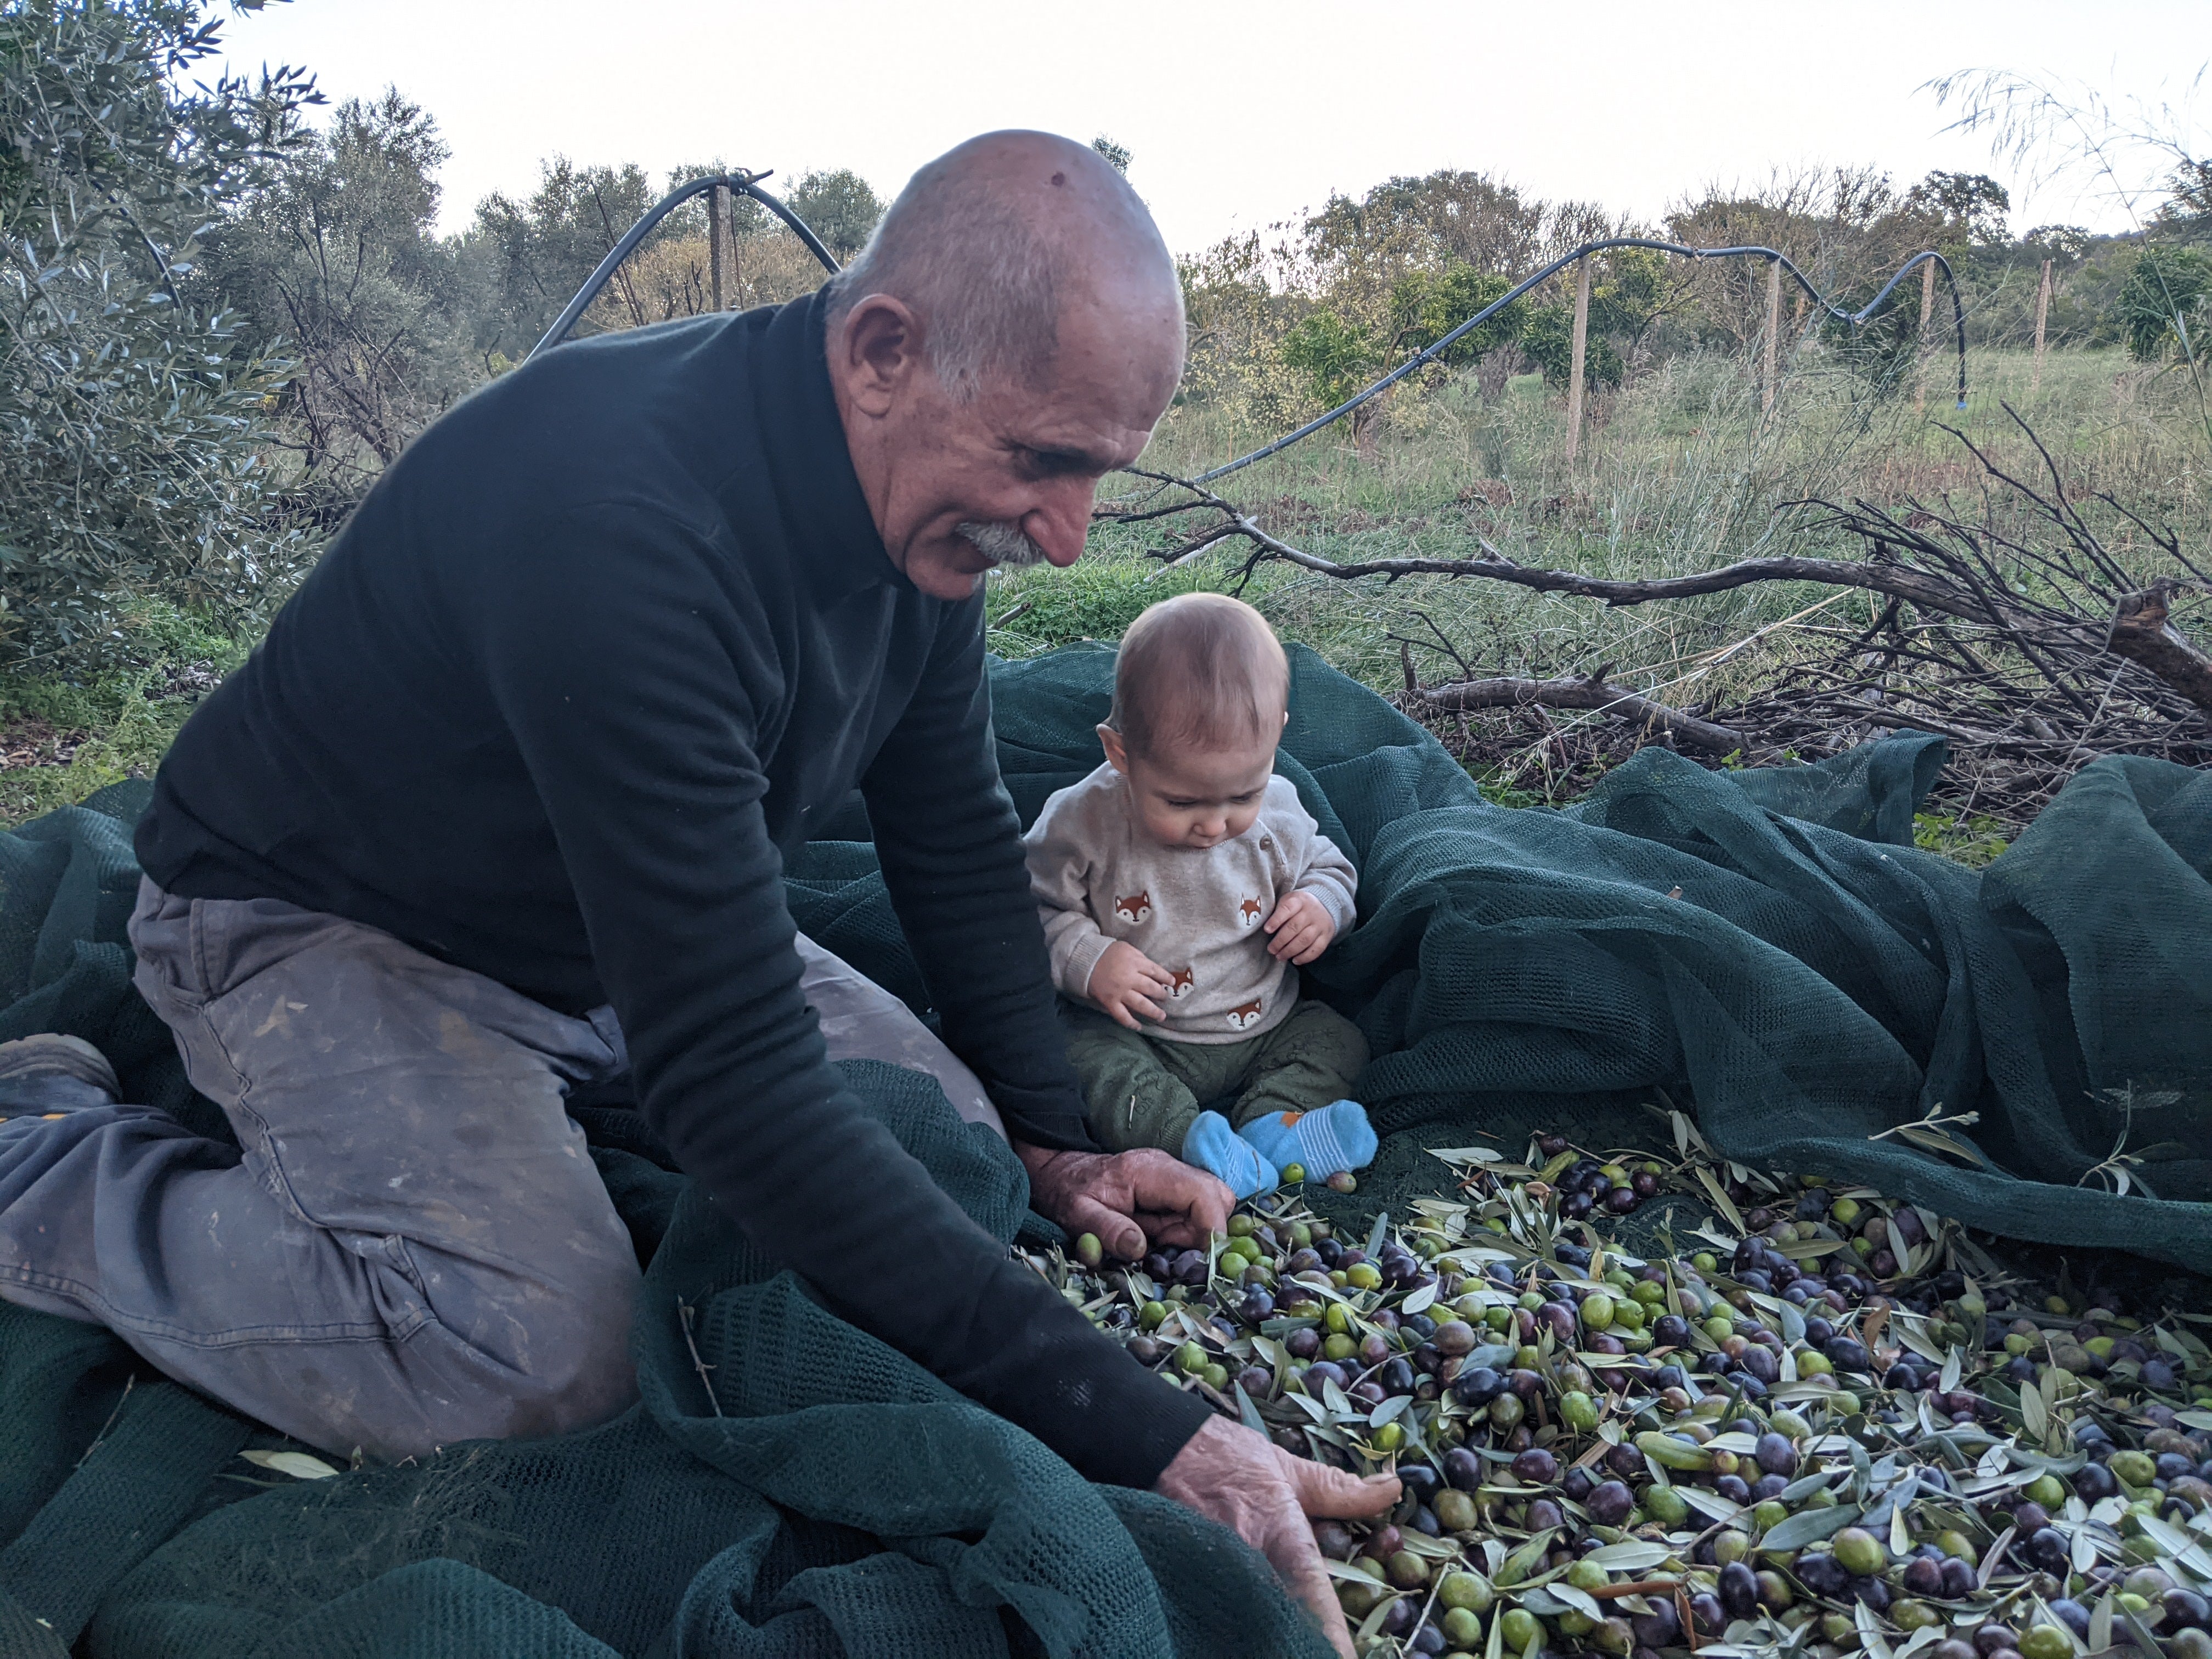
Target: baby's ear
{"points": [[1117, 756]]}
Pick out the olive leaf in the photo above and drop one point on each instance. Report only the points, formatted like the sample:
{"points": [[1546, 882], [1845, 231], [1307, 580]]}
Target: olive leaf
{"points": [[299, 1465], [1809, 1527]]}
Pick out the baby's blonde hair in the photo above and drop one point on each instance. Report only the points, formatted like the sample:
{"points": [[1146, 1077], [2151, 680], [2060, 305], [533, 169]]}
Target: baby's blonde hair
{"points": [[1200, 669]]}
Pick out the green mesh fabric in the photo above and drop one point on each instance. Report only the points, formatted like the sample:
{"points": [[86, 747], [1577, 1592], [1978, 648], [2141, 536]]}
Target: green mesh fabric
{"points": [[1763, 949]]}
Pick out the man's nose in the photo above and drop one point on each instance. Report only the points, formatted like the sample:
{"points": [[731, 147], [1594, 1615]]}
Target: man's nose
{"points": [[1062, 519]]}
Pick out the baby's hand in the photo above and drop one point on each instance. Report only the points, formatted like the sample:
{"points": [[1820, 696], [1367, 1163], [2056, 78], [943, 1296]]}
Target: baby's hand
{"points": [[1302, 927], [1126, 982]]}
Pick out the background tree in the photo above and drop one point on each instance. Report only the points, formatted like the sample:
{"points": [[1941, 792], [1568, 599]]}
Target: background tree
{"points": [[336, 254], [839, 208], [133, 413]]}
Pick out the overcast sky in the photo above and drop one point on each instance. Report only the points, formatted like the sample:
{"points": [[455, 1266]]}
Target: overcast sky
{"points": [[1238, 114]]}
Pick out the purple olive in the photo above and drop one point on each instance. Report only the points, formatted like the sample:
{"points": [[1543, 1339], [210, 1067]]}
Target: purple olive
{"points": [[1462, 1468], [1609, 1504], [1707, 1613], [1622, 1201], [1775, 1453], [1959, 1579], [1543, 1515], [1257, 1381], [1537, 1466]]}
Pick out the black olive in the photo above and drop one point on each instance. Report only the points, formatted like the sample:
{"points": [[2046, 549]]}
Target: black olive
{"points": [[1738, 1591]]}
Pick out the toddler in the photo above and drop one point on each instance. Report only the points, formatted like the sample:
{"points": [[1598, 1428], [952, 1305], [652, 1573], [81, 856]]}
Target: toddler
{"points": [[1180, 884]]}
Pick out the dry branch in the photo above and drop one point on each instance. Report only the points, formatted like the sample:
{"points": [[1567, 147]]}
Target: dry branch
{"points": [[2140, 633], [2032, 649], [1589, 692]]}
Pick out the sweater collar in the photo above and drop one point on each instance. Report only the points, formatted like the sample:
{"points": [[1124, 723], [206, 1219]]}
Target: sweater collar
{"points": [[819, 494]]}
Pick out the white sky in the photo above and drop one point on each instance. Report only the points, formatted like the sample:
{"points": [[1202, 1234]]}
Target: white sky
{"points": [[1238, 113]]}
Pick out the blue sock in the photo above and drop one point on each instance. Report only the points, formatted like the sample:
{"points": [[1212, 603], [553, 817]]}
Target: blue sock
{"points": [[1214, 1147], [1335, 1137]]}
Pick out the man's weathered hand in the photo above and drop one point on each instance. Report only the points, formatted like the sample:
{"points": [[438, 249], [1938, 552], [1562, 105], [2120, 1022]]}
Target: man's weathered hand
{"points": [[1127, 1198], [1263, 1494]]}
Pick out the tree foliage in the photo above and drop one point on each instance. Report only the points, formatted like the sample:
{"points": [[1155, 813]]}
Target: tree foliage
{"points": [[336, 256], [131, 417]]}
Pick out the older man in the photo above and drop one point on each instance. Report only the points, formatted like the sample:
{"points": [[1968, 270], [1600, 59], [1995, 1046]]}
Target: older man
{"points": [[500, 807]]}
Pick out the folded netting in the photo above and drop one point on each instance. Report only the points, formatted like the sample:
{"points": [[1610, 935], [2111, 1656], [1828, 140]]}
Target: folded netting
{"points": [[1764, 949]]}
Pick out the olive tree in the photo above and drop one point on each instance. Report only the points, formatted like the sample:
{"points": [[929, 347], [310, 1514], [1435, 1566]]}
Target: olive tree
{"points": [[131, 414]]}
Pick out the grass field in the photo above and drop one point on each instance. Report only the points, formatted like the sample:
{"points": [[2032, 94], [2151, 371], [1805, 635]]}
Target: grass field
{"points": [[1680, 473]]}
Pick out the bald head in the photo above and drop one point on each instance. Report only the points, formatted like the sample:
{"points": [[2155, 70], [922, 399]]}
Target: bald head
{"points": [[995, 243]]}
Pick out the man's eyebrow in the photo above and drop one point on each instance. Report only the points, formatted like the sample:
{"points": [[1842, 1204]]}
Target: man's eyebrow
{"points": [[1063, 459]]}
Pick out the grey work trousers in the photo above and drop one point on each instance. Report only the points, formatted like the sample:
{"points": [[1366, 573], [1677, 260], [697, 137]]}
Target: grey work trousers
{"points": [[413, 1247]]}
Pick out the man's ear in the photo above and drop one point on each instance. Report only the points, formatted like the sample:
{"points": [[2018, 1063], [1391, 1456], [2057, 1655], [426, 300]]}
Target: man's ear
{"points": [[877, 353], [1117, 756]]}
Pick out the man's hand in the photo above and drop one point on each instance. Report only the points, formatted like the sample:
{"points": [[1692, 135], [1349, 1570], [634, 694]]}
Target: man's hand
{"points": [[1126, 982], [1302, 927], [1263, 1494], [1127, 1198]]}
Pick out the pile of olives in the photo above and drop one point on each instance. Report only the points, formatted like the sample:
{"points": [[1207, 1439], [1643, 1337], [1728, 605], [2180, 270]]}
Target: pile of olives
{"points": [[1839, 1428]]}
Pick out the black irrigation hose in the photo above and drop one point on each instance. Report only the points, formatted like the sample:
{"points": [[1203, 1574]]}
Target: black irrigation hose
{"points": [[1428, 354], [740, 183], [745, 183]]}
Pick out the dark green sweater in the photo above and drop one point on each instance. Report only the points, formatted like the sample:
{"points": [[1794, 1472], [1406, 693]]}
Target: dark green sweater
{"points": [[585, 667]]}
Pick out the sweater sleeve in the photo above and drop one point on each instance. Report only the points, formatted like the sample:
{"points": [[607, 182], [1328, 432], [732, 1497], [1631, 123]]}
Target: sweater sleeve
{"points": [[1060, 862], [632, 679], [1323, 871], [950, 843]]}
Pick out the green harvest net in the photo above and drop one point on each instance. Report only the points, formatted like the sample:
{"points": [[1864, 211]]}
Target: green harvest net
{"points": [[1762, 948]]}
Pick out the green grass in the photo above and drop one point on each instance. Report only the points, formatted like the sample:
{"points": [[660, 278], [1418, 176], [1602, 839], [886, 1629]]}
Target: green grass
{"points": [[121, 722]]}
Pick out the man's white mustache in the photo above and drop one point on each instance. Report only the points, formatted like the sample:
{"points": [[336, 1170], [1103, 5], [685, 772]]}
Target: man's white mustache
{"points": [[1001, 544]]}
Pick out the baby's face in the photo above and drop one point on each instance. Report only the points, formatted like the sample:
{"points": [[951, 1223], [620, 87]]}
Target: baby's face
{"points": [[1196, 798]]}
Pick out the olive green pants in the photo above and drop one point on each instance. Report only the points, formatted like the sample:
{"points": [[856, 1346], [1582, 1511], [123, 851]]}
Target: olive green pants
{"points": [[1144, 1091]]}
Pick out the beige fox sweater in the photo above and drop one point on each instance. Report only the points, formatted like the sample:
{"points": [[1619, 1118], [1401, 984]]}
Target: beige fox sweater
{"points": [[1196, 912]]}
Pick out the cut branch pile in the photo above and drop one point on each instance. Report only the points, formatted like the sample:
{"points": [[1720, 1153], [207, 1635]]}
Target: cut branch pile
{"points": [[2020, 637]]}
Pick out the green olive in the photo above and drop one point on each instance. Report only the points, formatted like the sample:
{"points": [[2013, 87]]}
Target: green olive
{"points": [[1463, 1627], [1704, 1262], [1338, 1345], [1216, 1377], [1507, 1411], [1597, 1311], [1190, 1359], [1845, 1211], [2047, 1490], [1859, 1553], [1455, 1512], [1587, 1575], [1665, 1506], [1364, 1276], [2043, 1642], [1954, 1543], [2135, 1468], [1519, 1630], [1241, 1225], [1338, 1319], [1814, 1363], [1628, 1314], [1294, 1175], [1498, 1318], [1389, 1436], [1152, 1315], [1769, 1514], [1578, 1411], [1467, 1592]]}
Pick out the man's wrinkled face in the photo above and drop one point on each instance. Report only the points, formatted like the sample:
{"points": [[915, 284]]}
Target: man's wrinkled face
{"points": [[1008, 477]]}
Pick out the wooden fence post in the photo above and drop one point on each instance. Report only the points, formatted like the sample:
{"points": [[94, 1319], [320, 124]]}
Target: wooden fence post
{"points": [[1773, 333], [2042, 316], [721, 281], [1574, 375], [1920, 340]]}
